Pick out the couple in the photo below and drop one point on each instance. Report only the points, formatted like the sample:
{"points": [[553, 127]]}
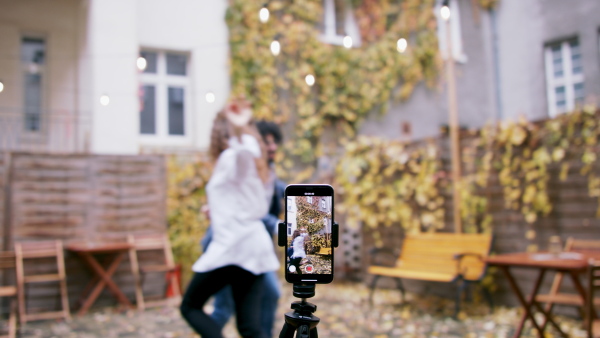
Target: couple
{"points": [[239, 258]]}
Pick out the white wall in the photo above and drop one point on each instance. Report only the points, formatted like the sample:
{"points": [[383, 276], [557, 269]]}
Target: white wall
{"points": [[197, 27], [111, 50]]}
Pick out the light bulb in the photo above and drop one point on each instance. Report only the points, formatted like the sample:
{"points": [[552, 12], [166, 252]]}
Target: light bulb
{"points": [[210, 97], [1, 86], [401, 45], [445, 13], [263, 14], [275, 47], [104, 100], [347, 42], [310, 80], [141, 63]]}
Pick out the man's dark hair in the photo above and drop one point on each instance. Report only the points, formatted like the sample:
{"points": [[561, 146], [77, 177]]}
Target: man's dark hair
{"points": [[269, 128]]}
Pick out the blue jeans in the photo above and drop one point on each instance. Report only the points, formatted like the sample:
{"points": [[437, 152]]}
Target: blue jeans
{"points": [[224, 305]]}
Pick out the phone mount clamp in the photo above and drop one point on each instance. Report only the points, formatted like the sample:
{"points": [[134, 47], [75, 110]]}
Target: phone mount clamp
{"points": [[302, 321]]}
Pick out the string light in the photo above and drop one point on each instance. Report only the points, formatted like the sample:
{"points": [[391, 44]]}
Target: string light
{"points": [[1, 86], [104, 100], [275, 47], [263, 14], [347, 42], [401, 45], [210, 97], [445, 12], [141, 63], [310, 80]]}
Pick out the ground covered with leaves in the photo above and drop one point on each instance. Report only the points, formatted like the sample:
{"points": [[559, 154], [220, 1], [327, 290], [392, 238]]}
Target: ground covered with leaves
{"points": [[344, 311]]}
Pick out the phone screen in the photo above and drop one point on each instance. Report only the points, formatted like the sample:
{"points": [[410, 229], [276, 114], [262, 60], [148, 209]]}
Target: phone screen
{"points": [[309, 223]]}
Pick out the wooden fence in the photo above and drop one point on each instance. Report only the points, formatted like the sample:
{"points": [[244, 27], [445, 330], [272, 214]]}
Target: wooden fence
{"points": [[77, 197]]}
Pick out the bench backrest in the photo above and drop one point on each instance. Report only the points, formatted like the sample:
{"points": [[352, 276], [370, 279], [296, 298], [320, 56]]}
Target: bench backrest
{"points": [[435, 252]]}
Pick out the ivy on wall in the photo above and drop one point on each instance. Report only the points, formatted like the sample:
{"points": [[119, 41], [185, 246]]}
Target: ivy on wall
{"points": [[350, 83], [185, 197], [387, 182]]}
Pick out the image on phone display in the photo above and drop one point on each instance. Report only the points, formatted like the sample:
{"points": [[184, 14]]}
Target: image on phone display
{"points": [[309, 220]]}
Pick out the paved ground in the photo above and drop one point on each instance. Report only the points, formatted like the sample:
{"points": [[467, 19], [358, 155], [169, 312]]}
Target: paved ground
{"points": [[343, 310]]}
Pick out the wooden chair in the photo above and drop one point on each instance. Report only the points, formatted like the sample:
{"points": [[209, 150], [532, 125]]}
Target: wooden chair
{"points": [[160, 245], [554, 296], [7, 264], [27, 253], [593, 323]]}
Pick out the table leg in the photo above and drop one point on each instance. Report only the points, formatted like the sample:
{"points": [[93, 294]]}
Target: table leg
{"points": [[521, 298], [105, 281], [106, 277], [582, 292]]}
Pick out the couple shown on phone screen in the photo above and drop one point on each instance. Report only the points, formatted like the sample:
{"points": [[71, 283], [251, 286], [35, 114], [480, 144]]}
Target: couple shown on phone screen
{"points": [[239, 263]]}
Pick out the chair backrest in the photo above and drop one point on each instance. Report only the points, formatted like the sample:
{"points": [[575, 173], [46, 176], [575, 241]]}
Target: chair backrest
{"points": [[153, 242], [437, 251], [40, 249], [582, 245]]}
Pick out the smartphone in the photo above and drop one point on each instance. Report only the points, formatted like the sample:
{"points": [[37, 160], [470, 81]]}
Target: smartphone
{"points": [[309, 225]]}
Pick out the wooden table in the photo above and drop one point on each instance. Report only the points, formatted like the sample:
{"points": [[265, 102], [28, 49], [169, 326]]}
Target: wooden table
{"points": [[569, 263], [102, 276]]}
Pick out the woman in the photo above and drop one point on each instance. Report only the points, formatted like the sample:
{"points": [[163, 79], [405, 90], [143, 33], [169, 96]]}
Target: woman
{"points": [[299, 253], [241, 249]]}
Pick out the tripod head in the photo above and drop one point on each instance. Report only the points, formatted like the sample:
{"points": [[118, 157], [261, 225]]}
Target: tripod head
{"points": [[301, 320]]}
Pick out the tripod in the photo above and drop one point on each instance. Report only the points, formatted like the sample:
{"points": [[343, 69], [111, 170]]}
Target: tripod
{"points": [[301, 320]]}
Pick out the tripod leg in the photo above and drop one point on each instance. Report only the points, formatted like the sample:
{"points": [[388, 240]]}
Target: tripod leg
{"points": [[287, 331], [314, 333]]}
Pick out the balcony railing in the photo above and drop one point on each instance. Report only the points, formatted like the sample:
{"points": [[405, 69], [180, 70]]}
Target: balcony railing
{"points": [[55, 132]]}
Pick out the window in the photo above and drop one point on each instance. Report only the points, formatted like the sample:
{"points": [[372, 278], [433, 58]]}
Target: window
{"points": [[309, 199], [165, 93], [339, 22], [33, 54], [289, 229], [455, 32], [323, 204], [564, 76]]}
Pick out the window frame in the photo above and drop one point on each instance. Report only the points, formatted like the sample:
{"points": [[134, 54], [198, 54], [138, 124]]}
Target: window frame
{"points": [[162, 82], [25, 69], [568, 79], [329, 34]]}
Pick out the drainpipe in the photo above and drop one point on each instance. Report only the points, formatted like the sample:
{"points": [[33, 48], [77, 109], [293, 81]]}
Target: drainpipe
{"points": [[496, 62]]}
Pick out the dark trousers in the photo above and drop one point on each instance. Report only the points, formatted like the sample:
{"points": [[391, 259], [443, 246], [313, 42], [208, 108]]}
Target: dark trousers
{"points": [[246, 295]]}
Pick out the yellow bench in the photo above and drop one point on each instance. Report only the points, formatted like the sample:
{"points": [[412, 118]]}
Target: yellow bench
{"points": [[324, 251], [438, 257]]}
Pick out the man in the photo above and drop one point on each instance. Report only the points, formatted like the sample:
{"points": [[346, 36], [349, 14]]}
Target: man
{"points": [[224, 306]]}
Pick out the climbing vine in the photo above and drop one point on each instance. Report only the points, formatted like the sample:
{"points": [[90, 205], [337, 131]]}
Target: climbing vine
{"points": [[386, 183], [185, 197], [349, 83], [309, 216]]}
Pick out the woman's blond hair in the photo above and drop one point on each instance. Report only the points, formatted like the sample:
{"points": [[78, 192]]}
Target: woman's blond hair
{"points": [[222, 131]]}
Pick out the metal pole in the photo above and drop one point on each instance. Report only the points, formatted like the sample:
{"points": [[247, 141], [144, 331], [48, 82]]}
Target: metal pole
{"points": [[454, 137]]}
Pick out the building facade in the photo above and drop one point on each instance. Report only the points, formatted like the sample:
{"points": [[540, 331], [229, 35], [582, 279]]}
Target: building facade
{"points": [[72, 81], [535, 58]]}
